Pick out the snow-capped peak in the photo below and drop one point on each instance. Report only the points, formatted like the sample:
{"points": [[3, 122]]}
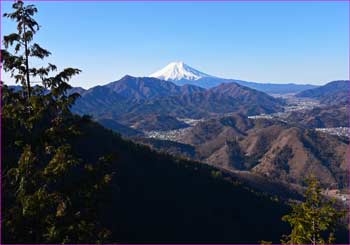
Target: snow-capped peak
{"points": [[178, 70]]}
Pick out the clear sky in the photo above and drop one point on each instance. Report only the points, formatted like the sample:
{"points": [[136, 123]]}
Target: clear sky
{"points": [[300, 42]]}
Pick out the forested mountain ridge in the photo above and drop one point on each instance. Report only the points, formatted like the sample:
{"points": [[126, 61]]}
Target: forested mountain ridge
{"points": [[133, 99]]}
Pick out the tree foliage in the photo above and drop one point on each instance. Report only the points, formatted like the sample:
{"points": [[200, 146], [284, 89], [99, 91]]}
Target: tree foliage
{"points": [[50, 194], [23, 48], [314, 220]]}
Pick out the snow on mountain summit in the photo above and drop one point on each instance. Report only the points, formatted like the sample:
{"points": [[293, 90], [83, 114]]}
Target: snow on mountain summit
{"points": [[177, 71]]}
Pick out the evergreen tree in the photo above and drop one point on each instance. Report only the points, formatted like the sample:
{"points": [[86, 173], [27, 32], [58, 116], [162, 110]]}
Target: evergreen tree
{"points": [[314, 220], [50, 194], [17, 63]]}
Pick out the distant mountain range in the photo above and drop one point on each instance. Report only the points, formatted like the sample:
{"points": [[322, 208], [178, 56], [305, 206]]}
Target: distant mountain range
{"points": [[132, 100], [181, 74], [333, 93]]}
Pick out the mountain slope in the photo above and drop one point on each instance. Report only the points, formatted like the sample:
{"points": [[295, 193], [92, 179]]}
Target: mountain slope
{"points": [[98, 101], [117, 97], [271, 148], [155, 122], [142, 88], [322, 117], [119, 128], [333, 93], [226, 98], [245, 94], [297, 153], [160, 199]]}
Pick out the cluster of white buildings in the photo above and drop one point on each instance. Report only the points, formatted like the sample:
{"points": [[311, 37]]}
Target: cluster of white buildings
{"points": [[340, 131], [173, 135], [190, 121]]}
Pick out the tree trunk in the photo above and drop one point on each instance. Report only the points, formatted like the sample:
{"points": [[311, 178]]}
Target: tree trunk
{"points": [[313, 232], [27, 61]]}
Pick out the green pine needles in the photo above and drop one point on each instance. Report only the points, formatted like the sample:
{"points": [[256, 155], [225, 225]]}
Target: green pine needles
{"points": [[314, 220], [51, 195]]}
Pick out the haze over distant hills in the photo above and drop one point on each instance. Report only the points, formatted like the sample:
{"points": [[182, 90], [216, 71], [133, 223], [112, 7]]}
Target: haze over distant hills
{"points": [[181, 73]]}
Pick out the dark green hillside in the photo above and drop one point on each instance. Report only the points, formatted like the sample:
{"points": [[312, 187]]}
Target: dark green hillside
{"points": [[161, 199], [170, 147], [158, 198], [120, 128]]}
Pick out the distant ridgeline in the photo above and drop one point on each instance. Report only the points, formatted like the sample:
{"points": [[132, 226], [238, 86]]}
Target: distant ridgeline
{"points": [[333, 93], [132, 98], [181, 74]]}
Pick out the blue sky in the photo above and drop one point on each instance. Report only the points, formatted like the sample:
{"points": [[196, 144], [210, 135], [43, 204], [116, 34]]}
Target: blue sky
{"points": [[300, 42]]}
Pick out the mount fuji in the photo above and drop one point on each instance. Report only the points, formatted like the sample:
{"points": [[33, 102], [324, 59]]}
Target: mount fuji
{"points": [[181, 74], [177, 71]]}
